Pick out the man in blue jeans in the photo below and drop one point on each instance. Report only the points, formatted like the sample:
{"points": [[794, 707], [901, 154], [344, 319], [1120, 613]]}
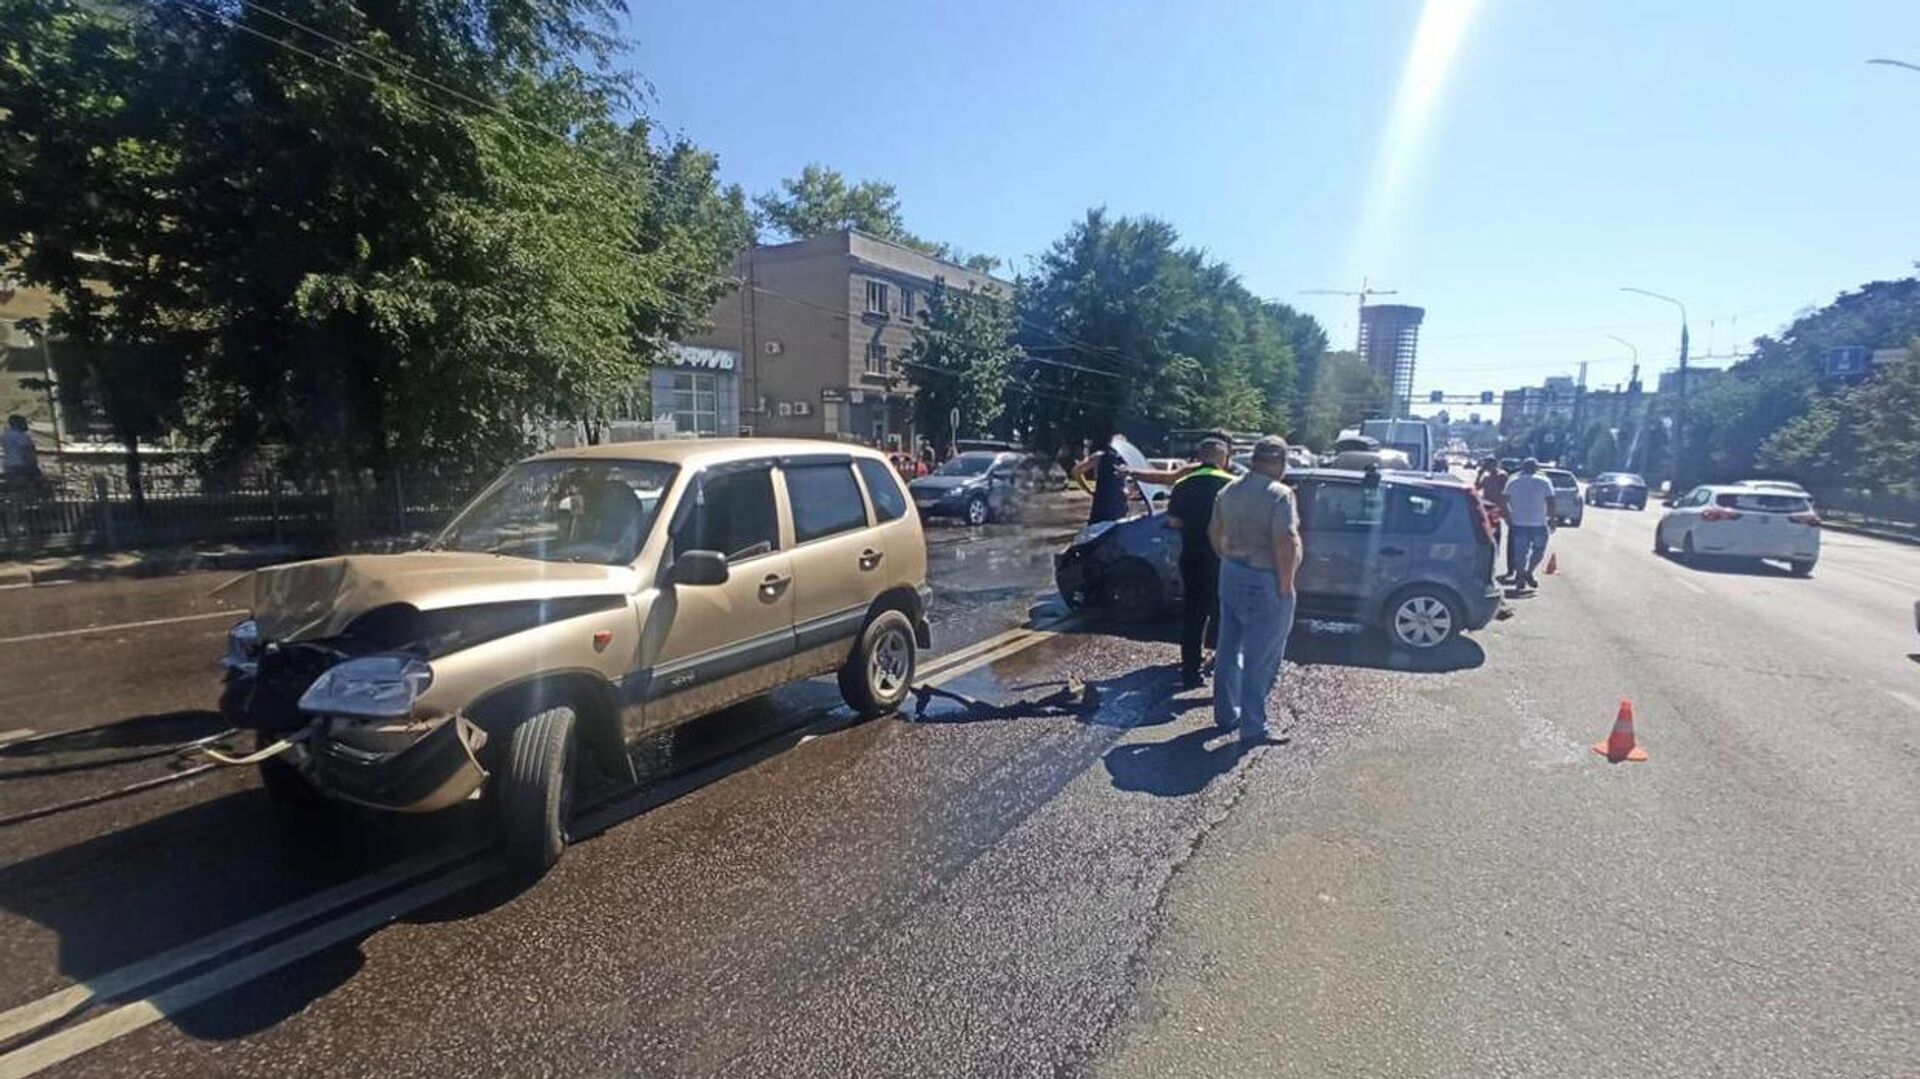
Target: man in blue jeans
{"points": [[1529, 504], [1256, 533]]}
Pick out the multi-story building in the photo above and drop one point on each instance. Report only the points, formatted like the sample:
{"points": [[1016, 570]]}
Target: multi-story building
{"points": [[1697, 378], [1389, 342], [1530, 406], [819, 327]]}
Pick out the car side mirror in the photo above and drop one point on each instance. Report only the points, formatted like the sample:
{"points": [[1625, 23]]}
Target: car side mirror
{"points": [[699, 568]]}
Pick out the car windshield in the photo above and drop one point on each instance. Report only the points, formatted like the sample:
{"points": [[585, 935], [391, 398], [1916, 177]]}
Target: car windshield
{"points": [[563, 511], [967, 464], [1563, 479]]}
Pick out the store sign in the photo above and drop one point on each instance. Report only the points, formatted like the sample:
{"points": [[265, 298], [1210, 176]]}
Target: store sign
{"points": [[829, 394], [705, 359]]}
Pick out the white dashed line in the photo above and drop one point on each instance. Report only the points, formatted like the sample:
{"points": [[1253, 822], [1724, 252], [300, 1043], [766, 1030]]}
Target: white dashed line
{"points": [[58, 633], [1907, 699]]}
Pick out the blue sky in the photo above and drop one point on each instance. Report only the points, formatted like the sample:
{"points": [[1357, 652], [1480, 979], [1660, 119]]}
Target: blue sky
{"points": [[1740, 155]]}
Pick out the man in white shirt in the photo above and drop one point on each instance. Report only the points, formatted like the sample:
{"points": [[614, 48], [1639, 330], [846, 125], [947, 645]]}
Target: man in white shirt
{"points": [[1529, 506]]}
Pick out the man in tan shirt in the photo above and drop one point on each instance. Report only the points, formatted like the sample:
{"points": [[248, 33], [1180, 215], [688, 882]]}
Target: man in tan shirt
{"points": [[1257, 535]]}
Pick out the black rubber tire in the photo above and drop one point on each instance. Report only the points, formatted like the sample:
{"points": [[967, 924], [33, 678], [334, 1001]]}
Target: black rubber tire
{"points": [[1687, 554], [1802, 567], [1132, 593], [860, 683], [979, 511], [1660, 544], [533, 794], [1456, 617]]}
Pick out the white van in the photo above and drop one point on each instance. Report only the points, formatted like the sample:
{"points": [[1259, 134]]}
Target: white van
{"points": [[1411, 437]]}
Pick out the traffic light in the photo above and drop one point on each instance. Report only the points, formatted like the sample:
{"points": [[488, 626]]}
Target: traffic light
{"points": [[1436, 397]]}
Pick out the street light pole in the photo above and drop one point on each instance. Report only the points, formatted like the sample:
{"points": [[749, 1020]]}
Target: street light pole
{"points": [[1680, 414]]}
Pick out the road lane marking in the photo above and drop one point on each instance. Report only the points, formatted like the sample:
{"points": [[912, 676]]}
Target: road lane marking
{"points": [[1681, 580], [56, 1006], [67, 1044], [1907, 699], [175, 620]]}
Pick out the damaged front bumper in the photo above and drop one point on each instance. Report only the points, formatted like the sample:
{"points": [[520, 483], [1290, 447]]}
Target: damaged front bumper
{"points": [[440, 769]]}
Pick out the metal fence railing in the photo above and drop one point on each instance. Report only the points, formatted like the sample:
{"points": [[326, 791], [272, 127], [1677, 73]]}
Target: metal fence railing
{"points": [[1884, 512], [96, 511]]}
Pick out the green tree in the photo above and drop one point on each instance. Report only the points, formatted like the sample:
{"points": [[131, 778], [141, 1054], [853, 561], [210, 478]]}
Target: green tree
{"points": [[1345, 391], [961, 356], [1127, 330], [820, 200], [1887, 408], [341, 259], [1812, 447]]}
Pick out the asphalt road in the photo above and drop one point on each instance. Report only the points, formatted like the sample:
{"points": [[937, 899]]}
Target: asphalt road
{"points": [[1433, 876]]}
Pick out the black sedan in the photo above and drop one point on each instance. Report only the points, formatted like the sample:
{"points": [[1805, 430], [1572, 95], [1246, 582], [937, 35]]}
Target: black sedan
{"points": [[1617, 489], [975, 487]]}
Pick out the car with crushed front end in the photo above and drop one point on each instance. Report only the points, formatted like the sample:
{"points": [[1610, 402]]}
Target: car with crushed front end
{"points": [[1405, 553], [585, 600]]}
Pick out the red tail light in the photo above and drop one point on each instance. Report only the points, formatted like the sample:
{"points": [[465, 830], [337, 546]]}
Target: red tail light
{"points": [[1715, 513], [1807, 518]]}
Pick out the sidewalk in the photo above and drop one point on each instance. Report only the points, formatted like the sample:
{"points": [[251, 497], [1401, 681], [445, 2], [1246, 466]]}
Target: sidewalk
{"points": [[163, 561], [1875, 531]]}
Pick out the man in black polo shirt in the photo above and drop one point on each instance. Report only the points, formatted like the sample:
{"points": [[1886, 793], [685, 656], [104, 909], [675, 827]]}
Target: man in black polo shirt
{"points": [[1190, 509]]}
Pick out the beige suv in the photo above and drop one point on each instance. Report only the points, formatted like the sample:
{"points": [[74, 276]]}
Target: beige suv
{"points": [[585, 599]]}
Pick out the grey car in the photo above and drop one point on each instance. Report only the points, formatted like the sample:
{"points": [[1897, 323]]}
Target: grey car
{"points": [[976, 487], [1408, 555]]}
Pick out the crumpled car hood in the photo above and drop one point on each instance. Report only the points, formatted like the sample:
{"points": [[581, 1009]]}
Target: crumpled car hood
{"points": [[314, 600], [942, 484]]}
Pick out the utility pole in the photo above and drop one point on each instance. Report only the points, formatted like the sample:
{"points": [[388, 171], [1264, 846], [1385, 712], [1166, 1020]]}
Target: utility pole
{"points": [[1680, 414]]}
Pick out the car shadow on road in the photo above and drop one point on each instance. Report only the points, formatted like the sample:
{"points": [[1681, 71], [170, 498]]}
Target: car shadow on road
{"points": [[1176, 767], [1730, 566], [1372, 651], [1141, 698]]}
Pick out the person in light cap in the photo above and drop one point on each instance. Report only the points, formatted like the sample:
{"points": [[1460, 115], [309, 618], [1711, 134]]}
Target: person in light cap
{"points": [[1256, 533]]}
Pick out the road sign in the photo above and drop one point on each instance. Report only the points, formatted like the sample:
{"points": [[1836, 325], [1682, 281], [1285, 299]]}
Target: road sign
{"points": [[1848, 361], [953, 421], [1486, 397], [1436, 397]]}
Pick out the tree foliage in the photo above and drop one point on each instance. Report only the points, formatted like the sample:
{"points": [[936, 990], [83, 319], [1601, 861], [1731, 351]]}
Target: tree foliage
{"points": [[340, 259], [821, 200], [1127, 330], [961, 355], [1345, 390]]}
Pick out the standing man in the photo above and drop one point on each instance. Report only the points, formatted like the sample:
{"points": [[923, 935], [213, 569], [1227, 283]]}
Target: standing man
{"points": [[1492, 485], [1190, 509], [19, 460], [1257, 536], [1109, 483], [1529, 498]]}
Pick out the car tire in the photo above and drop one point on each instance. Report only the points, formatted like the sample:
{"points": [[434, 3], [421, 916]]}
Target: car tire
{"points": [[978, 512], [1687, 554], [535, 793], [878, 676], [1132, 592], [1660, 542], [1422, 618], [1802, 567]]}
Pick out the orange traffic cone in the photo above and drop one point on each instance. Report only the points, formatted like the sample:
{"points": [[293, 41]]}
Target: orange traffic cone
{"points": [[1619, 745], [1553, 564]]}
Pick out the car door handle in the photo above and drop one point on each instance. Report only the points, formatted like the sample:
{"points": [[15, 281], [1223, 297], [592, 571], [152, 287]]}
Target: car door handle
{"points": [[870, 558], [1392, 551], [773, 584]]}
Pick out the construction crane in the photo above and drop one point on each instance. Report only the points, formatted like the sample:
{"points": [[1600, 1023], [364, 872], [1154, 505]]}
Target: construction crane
{"points": [[1361, 295]]}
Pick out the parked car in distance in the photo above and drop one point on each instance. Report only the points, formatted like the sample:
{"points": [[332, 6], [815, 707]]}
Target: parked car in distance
{"points": [[1568, 510], [587, 598], [1401, 553], [1617, 489], [975, 487], [1739, 521]]}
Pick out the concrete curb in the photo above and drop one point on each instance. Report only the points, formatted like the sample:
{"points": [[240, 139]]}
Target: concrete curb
{"points": [[1862, 530], [144, 564]]}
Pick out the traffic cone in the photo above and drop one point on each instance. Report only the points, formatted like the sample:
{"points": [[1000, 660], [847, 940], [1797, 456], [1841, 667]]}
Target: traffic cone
{"points": [[1553, 564], [1619, 745]]}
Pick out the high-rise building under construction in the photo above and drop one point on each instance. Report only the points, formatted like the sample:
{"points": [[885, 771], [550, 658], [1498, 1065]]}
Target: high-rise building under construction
{"points": [[1389, 339]]}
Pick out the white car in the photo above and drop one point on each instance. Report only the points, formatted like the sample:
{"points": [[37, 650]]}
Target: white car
{"points": [[1742, 521], [1569, 510]]}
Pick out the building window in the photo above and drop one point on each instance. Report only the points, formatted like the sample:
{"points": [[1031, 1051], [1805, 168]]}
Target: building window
{"points": [[696, 403], [877, 363], [876, 297], [906, 302]]}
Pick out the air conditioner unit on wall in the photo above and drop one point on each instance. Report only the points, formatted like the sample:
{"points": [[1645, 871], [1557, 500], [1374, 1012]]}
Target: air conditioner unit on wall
{"points": [[786, 408], [803, 408], [774, 348]]}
